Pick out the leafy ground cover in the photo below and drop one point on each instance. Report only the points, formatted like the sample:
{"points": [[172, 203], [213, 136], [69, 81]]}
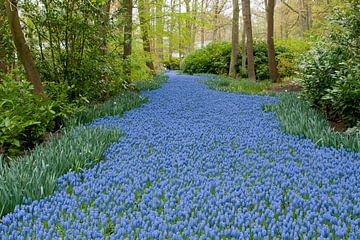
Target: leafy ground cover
{"points": [[34, 175], [198, 164]]}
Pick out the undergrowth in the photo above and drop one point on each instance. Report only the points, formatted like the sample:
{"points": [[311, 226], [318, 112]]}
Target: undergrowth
{"points": [[297, 117], [226, 84]]}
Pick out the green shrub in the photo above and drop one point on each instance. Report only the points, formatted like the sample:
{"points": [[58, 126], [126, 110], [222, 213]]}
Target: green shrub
{"points": [[174, 64], [24, 117], [215, 59], [297, 117], [330, 71]]}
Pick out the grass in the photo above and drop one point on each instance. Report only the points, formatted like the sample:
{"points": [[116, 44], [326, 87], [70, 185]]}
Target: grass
{"points": [[34, 176], [298, 118], [226, 84]]}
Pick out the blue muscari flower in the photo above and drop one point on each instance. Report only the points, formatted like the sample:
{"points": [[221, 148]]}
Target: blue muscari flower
{"points": [[180, 144]]}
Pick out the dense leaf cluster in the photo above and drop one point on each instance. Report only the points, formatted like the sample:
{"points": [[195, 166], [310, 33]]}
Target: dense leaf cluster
{"points": [[330, 70], [201, 164], [215, 59]]}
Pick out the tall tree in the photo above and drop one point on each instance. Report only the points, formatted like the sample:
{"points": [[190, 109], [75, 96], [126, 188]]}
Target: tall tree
{"points": [[104, 26], [145, 28], [128, 5], [235, 39], [248, 28], [243, 50], [160, 29], [270, 7], [31, 72]]}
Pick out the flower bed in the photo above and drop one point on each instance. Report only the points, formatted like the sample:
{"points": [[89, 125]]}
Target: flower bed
{"points": [[197, 163]]}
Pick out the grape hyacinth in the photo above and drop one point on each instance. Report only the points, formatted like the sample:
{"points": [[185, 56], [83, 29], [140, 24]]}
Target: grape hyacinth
{"points": [[200, 164]]}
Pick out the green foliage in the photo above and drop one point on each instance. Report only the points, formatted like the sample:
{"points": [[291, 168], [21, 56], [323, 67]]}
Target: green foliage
{"points": [[24, 118], [151, 84], [117, 105], [222, 83], [330, 70], [215, 58], [174, 64], [34, 176], [297, 117], [287, 59]]}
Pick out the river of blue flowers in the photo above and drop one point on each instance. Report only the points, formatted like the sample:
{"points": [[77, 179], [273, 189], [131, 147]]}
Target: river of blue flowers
{"points": [[200, 164]]}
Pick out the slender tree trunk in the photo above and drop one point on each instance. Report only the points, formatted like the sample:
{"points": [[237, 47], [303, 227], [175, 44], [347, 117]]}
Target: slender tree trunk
{"points": [[243, 51], [202, 23], [250, 54], [270, 7], [194, 25], [128, 5], [160, 29], [104, 26], [215, 20], [235, 39], [145, 27], [171, 25], [31, 72]]}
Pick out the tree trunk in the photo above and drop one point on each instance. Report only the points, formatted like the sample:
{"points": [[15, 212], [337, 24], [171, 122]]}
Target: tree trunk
{"points": [[160, 29], [235, 39], [128, 5], [104, 26], [145, 27], [202, 24], [243, 51], [215, 20], [248, 28], [31, 72], [270, 7]]}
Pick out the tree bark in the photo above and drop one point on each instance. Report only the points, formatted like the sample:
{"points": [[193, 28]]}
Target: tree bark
{"points": [[31, 72], [160, 29], [235, 40], [250, 54], [243, 51], [145, 27], [270, 7], [128, 5], [104, 26]]}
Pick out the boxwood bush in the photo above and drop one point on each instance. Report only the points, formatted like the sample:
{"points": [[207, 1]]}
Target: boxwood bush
{"points": [[215, 58], [330, 70]]}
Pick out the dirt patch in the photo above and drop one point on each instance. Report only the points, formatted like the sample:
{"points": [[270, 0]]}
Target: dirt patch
{"points": [[285, 87]]}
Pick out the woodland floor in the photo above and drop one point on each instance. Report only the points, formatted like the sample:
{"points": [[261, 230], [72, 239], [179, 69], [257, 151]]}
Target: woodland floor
{"points": [[197, 163]]}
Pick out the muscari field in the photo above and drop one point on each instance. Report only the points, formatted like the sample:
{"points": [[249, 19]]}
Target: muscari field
{"points": [[200, 164]]}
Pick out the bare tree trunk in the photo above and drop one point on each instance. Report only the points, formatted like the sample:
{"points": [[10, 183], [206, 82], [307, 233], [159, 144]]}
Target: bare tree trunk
{"points": [[235, 39], [170, 37], [247, 21], [31, 72], [160, 29], [215, 20], [270, 7], [128, 5], [202, 23], [188, 26], [243, 51], [104, 26], [145, 27], [194, 27]]}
